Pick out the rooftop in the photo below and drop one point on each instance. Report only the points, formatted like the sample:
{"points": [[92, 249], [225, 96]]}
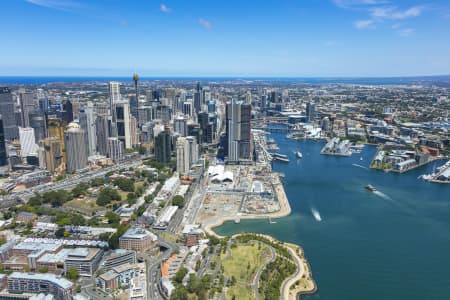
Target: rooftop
{"points": [[61, 281]]}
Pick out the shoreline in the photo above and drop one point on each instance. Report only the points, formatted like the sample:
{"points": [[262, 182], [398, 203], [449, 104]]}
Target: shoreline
{"points": [[284, 211], [289, 289]]}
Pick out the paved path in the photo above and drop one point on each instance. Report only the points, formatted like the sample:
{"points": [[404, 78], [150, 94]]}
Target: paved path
{"points": [[258, 274]]}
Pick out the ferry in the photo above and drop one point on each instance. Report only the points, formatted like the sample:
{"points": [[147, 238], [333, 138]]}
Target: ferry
{"points": [[371, 188], [279, 155], [299, 154], [283, 159]]}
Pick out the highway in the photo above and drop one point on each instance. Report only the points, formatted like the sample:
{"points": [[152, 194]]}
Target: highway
{"points": [[67, 183]]}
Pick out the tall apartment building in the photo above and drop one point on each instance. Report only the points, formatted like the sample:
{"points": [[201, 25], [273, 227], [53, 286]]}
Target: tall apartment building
{"points": [[76, 155]]}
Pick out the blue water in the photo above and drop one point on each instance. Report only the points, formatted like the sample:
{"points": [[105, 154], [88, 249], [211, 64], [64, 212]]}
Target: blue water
{"points": [[392, 244], [306, 80]]}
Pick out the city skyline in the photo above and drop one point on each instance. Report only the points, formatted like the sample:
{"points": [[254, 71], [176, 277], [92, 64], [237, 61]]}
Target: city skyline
{"points": [[336, 38]]}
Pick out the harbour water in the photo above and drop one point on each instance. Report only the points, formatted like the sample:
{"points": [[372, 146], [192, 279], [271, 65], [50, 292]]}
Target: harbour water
{"points": [[390, 244]]}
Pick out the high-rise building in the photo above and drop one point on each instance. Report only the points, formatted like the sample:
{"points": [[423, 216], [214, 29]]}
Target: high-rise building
{"points": [[182, 152], [115, 149], [114, 97], [26, 100], [203, 121], [102, 133], [27, 141], [163, 146], [123, 122], [134, 131], [87, 118], [211, 106], [3, 157], [187, 108], [180, 125], [75, 148], [67, 113], [8, 114], [193, 150], [56, 130], [238, 129], [310, 111], [39, 124], [134, 108], [53, 155]]}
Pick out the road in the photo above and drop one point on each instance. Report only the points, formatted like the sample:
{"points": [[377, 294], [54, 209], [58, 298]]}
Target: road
{"points": [[67, 183], [153, 265]]}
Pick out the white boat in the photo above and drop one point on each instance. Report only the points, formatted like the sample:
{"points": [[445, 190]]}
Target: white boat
{"points": [[283, 159], [299, 154], [361, 158], [316, 215]]}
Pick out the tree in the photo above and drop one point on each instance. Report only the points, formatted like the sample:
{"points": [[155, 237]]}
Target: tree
{"points": [[99, 181], [35, 201], [178, 201], [80, 189], [107, 195], [178, 278], [72, 274], [113, 218], [180, 293], [59, 233], [125, 184]]}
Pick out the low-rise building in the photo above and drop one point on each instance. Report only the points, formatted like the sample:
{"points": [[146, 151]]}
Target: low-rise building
{"points": [[58, 286], [137, 239]]}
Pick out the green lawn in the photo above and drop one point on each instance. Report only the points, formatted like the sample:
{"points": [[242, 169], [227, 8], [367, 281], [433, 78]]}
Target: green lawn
{"points": [[243, 264], [240, 292], [85, 206]]}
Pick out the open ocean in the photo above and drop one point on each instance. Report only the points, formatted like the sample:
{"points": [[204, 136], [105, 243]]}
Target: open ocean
{"points": [[307, 80]]}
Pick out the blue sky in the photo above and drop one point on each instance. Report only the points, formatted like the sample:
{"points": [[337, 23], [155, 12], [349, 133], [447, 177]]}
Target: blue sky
{"points": [[225, 37]]}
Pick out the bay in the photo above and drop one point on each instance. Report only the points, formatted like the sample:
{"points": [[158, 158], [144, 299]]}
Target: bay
{"points": [[391, 244]]}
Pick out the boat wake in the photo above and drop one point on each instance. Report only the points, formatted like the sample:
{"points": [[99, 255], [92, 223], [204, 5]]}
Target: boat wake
{"points": [[382, 195], [359, 166], [316, 214]]}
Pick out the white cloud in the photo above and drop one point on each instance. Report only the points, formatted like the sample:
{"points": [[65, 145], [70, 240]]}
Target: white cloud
{"points": [[364, 24], [164, 8], [406, 31], [55, 4], [205, 23], [392, 13], [358, 3]]}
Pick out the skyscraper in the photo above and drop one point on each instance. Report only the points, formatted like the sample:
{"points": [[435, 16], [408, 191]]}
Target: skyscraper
{"points": [[134, 108], [39, 124], [26, 100], [123, 123], [87, 123], [27, 141], [75, 148], [238, 129], [8, 115], [67, 114], [53, 155], [182, 152], [203, 120], [193, 150], [56, 130], [310, 111], [163, 146], [115, 149], [3, 157], [114, 97], [102, 133], [180, 125]]}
